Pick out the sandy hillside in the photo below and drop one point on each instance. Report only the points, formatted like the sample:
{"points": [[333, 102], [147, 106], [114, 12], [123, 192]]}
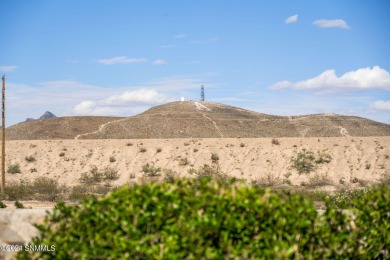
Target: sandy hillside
{"points": [[355, 161], [191, 119]]}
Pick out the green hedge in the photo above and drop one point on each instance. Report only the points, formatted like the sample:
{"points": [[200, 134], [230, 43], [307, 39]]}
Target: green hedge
{"points": [[207, 219]]}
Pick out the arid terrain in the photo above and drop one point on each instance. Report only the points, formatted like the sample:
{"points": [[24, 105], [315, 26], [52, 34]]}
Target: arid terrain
{"points": [[180, 138], [191, 119], [354, 162], [177, 140]]}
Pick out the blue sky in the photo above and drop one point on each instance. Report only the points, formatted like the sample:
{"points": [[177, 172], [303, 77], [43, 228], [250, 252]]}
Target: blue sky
{"points": [[119, 58]]}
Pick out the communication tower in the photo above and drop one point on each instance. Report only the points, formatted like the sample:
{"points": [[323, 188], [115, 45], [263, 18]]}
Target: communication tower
{"points": [[202, 93]]}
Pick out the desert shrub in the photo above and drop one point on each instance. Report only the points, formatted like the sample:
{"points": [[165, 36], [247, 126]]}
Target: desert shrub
{"points": [[303, 162], [93, 176], [207, 219], [19, 205], [110, 174], [18, 190], [183, 161], [129, 144], [96, 176], [142, 150], [320, 180], [267, 181], [30, 158], [368, 166], [151, 170], [33, 170], [14, 168], [112, 159], [195, 150], [214, 158], [275, 141], [385, 179], [2, 205], [323, 157], [80, 192], [62, 154], [242, 145], [170, 176], [158, 150], [103, 189], [45, 188]]}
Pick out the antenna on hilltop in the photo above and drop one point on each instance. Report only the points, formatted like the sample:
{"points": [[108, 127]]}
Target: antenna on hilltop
{"points": [[202, 93]]}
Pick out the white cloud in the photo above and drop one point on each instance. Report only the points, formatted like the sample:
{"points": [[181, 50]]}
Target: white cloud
{"points": [[180, 36], [70, 97], [139, 96], [292, 19], [159, 62], [120, 60], [361, 79], [8, 68], [381, 105], [337, 23]]}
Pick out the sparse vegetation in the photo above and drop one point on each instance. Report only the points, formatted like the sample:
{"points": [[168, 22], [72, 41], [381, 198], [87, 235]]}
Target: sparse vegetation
{"points": [[242, 145], [129, 144], [368, 166], [14, 168], [93, 176], [62, 154], [30, 158], [96, 176], [19, 205], [183, 161], [385, 179], [323, 157], [2, 205], [303, 162], [214, 158], [195, 150], [112, 159], [319, 180], [151, 170], [47, 189], [110, 174], [275, 141], [186, 144], [142, 149], [158, 150], [170, 176], [33, 170]]}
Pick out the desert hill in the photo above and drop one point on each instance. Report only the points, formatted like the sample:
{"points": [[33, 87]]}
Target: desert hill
{"points": [[211, 120], [56, 128], [198, 120]]}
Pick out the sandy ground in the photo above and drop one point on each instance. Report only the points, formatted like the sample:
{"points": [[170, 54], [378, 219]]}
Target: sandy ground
{"points": [[364, 159]]}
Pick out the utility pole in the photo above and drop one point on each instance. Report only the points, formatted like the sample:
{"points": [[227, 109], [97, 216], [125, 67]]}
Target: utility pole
{"points": [[202, 93], [3, 141]]}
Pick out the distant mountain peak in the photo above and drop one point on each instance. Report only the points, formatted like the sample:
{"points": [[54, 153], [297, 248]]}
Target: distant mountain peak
{"points": [[47, 114]]}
